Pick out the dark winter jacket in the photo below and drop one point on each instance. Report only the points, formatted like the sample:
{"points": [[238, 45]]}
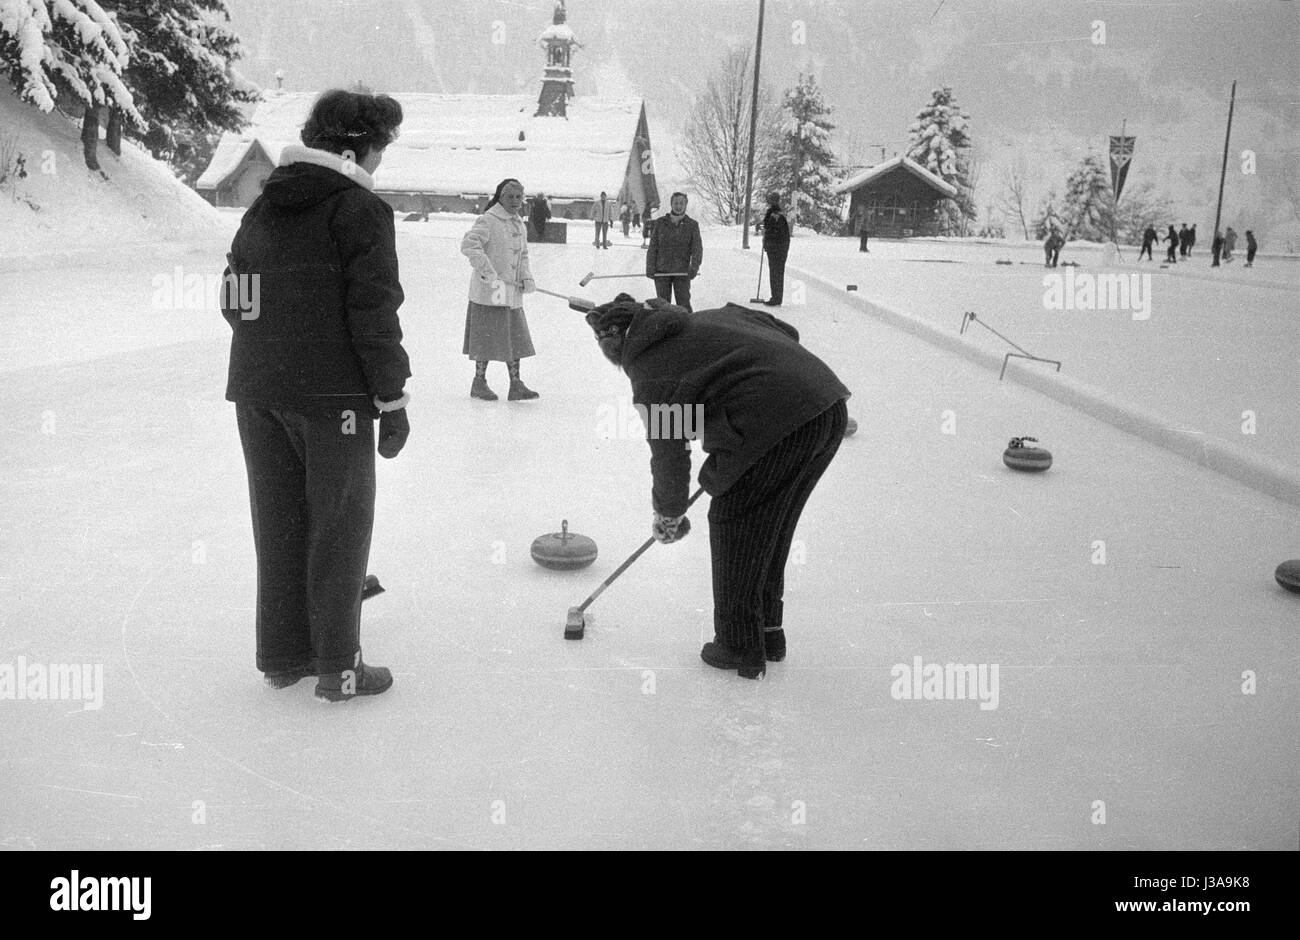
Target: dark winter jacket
{"points": [[540, 213], [1149, 236], [675, 247], [745, 367], [326, 336], [776, 232]]}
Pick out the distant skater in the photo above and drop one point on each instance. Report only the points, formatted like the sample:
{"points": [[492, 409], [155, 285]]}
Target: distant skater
{"points": [[776, 245], [602, 213], [540, 214], [1184, 240], [1251, 247], [1229, 243], [1191, 240], [1216, 249], [625, 216], [647, 225], [1149, 238], [1052, 249], [1172, 239]]}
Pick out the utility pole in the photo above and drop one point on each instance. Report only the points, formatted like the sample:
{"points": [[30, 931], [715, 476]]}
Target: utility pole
{"points": [[753, 123], [1218, 210]]}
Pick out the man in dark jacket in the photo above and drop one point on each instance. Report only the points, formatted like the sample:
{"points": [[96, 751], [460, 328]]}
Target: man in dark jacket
{"points": [[312, 364], [540, 214], [1184, 240], [1252, 246], [675, 248], [776, 245], [1149, 238], [772, 416]]}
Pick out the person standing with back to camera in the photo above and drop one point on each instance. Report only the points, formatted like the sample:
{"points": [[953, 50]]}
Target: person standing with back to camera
{"points": [[495, 327], [310, 371], [675, 248], [776, 243]]}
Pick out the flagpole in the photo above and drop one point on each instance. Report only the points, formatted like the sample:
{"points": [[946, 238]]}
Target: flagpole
{"points": [[753, 124], [1114, 204], [1218, 210]]}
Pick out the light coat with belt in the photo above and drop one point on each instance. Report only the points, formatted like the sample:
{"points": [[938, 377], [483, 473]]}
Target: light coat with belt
{"points": [[497, 248]]}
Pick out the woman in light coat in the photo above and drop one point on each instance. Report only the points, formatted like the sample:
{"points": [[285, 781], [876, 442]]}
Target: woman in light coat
{"points": [[495, 328]]}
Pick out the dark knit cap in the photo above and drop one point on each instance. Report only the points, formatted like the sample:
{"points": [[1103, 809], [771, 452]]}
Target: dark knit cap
{"points": [[614, 317]]}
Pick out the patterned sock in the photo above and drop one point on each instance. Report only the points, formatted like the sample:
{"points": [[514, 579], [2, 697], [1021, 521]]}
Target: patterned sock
{"points": [[513, 368], [480, 369]]}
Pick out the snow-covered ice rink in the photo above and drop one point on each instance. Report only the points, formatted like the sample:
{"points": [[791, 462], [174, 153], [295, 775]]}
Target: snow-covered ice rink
{"points": [[1125, 688]]}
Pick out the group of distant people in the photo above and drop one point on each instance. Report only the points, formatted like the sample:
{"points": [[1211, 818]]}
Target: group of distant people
{"points": [[1179, 243]]}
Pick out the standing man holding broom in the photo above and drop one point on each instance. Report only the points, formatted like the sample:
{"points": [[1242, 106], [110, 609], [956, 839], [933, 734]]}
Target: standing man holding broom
{"points": [[675, 248]]}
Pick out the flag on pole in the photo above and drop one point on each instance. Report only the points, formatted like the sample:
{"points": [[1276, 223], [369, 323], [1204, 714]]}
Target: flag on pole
{"points": [[1121, 154]]}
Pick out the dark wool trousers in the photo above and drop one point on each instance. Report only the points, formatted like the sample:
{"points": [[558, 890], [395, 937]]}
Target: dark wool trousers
{"points": [[752, 524], [665, 287], [312, 491], [776, 271]]}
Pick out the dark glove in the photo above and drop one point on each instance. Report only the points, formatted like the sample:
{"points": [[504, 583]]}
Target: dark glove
{"points": [[668, 529], [393, 431]]}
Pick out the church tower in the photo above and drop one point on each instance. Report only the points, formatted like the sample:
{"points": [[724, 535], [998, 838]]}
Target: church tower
{"points": [[557, 81]]}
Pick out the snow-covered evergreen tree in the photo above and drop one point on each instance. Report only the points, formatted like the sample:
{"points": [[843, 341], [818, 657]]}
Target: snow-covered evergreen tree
{"points": [[940, 141], [1089, 208], [805, 161], [182, 77], [52, 49]]}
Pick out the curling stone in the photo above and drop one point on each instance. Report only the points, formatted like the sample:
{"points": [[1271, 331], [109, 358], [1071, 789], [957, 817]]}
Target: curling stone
{"points": [[851, 428], [563, 550], [1288, 575], [1018, 456], [851, 287]]}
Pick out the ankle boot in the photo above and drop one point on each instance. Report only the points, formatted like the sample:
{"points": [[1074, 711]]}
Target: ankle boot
{"points": [[348, 684], [480, 390], [521, 392], [749, 663]]}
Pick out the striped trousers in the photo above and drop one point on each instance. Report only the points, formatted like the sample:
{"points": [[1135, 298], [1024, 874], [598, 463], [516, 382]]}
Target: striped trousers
{"points": [[752, 524]]}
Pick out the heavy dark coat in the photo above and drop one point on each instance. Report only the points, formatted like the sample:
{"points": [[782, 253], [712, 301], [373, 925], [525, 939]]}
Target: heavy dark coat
{"points": [[326, 337], [745, 367], [776, 231], [675, 247]]}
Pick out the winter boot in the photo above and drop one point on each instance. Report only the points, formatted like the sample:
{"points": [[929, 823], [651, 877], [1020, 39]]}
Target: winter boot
{"points": [[774, 644], [282, 680], [348, 684], [480, 390], [749, 663], [521, 392], [518, 390]]}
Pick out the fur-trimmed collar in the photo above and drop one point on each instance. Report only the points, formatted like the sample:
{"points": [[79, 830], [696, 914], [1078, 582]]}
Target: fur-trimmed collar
{"points": [[297, 153], [502, 213], [650, 325]]}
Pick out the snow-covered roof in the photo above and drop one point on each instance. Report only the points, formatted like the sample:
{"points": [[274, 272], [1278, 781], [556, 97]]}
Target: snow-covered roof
{"points": [[453, 144], [559, 31], [880, 169]]}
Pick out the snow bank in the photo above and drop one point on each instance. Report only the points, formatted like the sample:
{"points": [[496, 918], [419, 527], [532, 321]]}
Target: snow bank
{"points": [[61, 207]]}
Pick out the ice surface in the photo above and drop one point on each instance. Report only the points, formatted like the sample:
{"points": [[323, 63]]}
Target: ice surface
{"points": [[127, 542]]}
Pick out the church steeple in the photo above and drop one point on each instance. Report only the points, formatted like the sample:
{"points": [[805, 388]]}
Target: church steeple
{"points": [[557, 80]]}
